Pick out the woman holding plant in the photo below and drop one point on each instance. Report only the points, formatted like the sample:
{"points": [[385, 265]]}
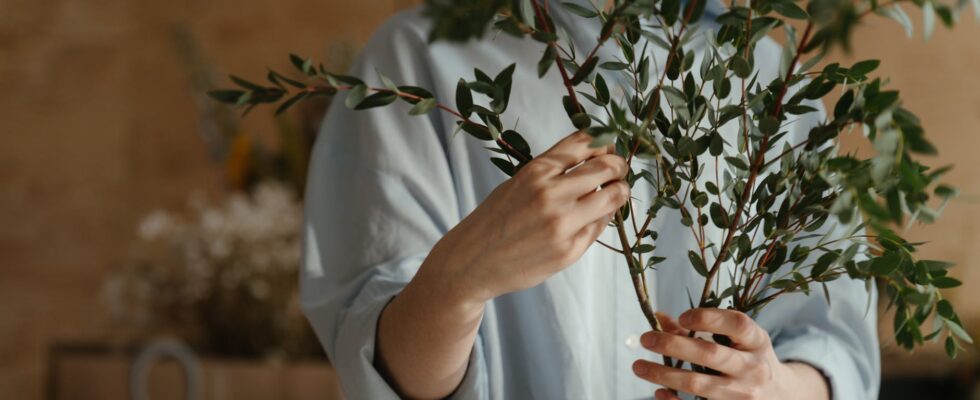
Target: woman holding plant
{"points": [[428, 274]]}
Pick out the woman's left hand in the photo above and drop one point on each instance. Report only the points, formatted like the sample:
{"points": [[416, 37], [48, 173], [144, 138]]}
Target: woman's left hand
{"points": [[749, 368]]}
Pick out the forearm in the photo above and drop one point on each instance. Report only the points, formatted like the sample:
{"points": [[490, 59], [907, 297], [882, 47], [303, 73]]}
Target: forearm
{"points": [[426, 334], [529, 228], [807, 383]]}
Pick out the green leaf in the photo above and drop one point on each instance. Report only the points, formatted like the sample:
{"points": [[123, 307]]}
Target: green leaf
{"points": [[896, 13], [350, 80], [298, 62], [244, 98], [387, 82], [517, 142], [579, 10], [945, 282], [378, 99], [544, 37], [946, 191], [581, 120], [494, 132], [547, 59], [686, 147], [697, 263], [950, 347], [928, 19], [789, 9], [741, 67], [356, 96], [415, 91], [289, 103], [275, 77], [864, 67], [423, 107], [614, 66], [936, 265], [737, 162], [245, 84], [769, 125], [675, 96], [585, 70], [700, 200], [506, 166], [669, 9], [464, 99], [601, 90], [718, 216], [476, 130], [886, 263], [643, 248], [958, 331], [225, 95], [694, 10], [945, 309]]}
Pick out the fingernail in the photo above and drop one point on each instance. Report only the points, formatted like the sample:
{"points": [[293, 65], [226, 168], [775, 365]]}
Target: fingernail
{"points": [[639, 368], [685, 318], [649, 340]]}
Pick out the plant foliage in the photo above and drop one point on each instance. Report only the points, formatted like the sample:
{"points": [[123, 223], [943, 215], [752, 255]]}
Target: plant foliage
{"points": [[793, 216]]}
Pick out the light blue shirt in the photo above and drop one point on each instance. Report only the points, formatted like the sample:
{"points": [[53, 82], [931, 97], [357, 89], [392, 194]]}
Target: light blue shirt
{"points": [[385, 186]]}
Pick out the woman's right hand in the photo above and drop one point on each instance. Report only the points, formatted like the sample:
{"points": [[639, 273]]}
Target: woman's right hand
{"points": [[535, 224]]}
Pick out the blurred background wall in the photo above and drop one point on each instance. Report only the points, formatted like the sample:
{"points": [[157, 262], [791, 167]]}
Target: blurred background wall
{"points": [[98, 126]]}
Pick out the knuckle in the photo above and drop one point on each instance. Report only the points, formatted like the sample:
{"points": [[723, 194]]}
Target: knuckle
{"points": [[750, 393], [743, 324], [607, 163], [566, 253], [712, 353], [694, 317], [554, 227], [764, 334], [543, 199], [764, 373], [619, 164], [693, 382], [620, 192], [534, 170]]}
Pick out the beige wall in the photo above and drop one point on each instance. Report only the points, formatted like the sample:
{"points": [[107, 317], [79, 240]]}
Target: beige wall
{"points": [[97, 127], [939, 80]]}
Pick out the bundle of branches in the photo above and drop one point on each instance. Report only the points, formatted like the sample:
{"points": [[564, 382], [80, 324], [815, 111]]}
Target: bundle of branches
{"points": [[768, 196]]}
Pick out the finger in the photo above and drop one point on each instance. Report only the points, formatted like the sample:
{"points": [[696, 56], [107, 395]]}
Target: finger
{"points": [[590, 233], [670, 325], [695, 383], [594, 172], [602, 202], [696, 351], [664, 394], [570, 151], [740, 328]]}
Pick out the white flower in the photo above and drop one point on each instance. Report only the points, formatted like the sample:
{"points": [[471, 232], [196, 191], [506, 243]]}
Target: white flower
{"points": [[155, 225]]}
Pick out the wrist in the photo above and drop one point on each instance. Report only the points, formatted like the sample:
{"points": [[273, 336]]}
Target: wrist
{"points": [[451, 280], [802, 375]]}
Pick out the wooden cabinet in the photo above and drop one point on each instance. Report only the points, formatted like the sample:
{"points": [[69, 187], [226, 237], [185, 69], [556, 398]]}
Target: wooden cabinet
{"points": [[78, 374]]}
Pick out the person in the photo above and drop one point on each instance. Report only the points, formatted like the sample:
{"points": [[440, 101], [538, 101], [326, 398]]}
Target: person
{"points": [[428, 274]]}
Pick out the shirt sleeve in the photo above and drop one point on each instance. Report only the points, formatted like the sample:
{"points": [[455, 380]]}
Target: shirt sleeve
{"points": [[837, 337], [380, 194]]}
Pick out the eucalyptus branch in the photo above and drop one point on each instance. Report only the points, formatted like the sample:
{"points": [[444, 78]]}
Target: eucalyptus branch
{"points": [[754, 171], [673, 127]]}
